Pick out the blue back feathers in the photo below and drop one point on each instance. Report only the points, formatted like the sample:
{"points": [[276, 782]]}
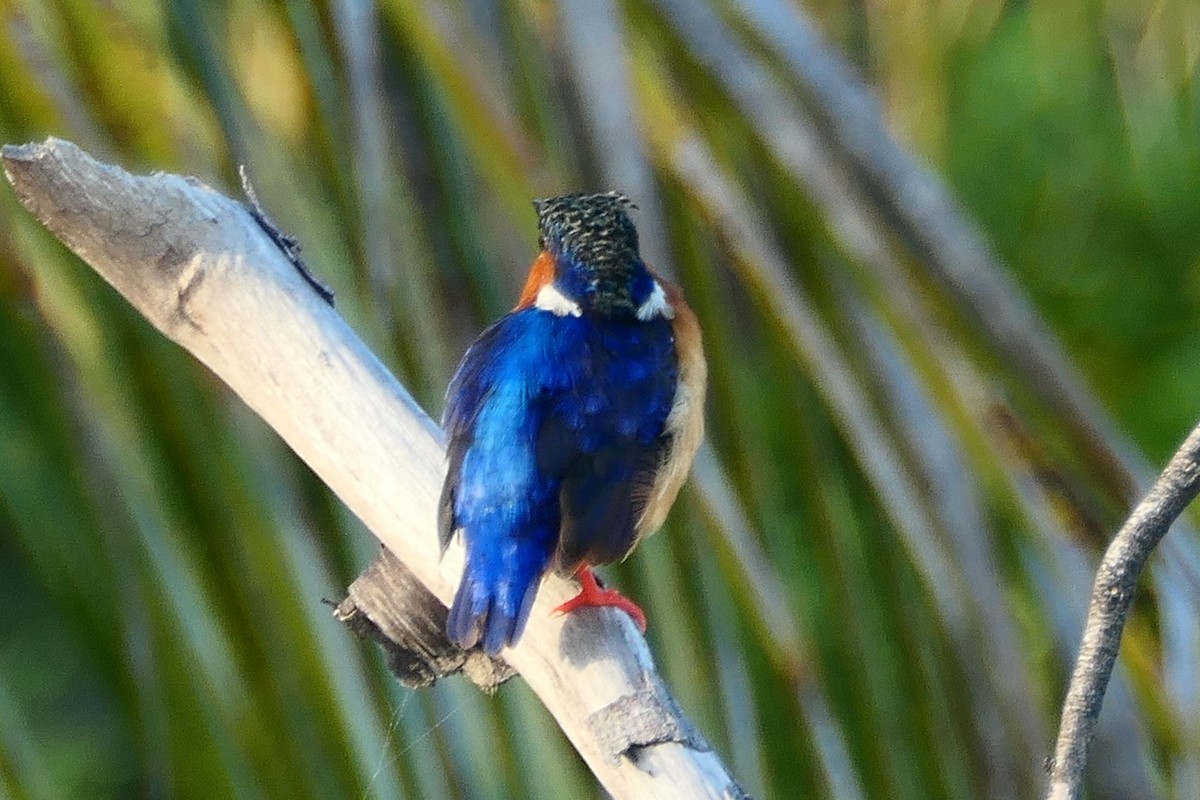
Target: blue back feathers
{"points": [[556, 427], [556, 421]]}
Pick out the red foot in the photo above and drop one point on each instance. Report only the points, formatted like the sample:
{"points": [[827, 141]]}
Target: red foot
{"points": [[593, 595]]}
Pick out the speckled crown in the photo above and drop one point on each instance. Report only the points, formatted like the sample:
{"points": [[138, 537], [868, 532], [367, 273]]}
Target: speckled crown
{"points": [[589, 229], [595, 247]]}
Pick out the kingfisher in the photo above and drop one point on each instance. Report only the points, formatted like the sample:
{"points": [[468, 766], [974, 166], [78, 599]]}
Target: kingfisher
{"points": [[571, 422]]}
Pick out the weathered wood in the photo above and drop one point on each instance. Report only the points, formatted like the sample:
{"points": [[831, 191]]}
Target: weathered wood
{"points": [[204, 272], [1112, 599], [388, 605]]}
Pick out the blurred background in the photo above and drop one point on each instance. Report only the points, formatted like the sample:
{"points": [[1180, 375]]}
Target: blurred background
{"points": [[950, 320]]}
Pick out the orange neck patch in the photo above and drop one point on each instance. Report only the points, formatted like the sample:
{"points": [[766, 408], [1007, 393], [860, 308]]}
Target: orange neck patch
{"points": [[541, 273]]}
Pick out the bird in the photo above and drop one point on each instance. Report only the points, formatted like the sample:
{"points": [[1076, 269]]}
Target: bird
{"points": [[571, 422]]}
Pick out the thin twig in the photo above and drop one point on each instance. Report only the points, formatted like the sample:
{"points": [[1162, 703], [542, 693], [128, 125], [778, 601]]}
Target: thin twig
{"points": [[1112, 596], [287, 243]]}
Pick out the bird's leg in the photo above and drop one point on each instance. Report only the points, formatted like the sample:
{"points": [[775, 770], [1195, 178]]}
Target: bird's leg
{"points": [[592, 595]]}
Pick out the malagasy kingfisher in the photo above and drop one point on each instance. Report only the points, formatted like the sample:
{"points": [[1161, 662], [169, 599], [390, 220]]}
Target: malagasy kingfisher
{"points": [[571, 422]]}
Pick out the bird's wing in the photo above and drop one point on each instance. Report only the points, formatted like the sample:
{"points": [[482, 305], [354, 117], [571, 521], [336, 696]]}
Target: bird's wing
{"points": [[608, 437], [468, 391], [496, 406], [602, 499]]}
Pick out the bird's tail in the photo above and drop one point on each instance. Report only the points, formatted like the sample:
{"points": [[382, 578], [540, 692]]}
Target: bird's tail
{"points": [[495, 596]]}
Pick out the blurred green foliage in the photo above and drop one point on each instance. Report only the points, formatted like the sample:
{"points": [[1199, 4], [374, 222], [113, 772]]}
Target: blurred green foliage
{"points": [[163, 557]]}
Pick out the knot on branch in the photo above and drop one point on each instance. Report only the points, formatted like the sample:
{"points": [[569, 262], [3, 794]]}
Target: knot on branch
{"points": [[390, 606], [645, 718]]}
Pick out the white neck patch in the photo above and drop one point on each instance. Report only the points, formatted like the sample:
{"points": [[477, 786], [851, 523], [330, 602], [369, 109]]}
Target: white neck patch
{"points": [[551, 299], [656, 305]]}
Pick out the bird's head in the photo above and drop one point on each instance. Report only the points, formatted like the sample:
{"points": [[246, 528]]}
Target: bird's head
{"points": [[593, 246]]}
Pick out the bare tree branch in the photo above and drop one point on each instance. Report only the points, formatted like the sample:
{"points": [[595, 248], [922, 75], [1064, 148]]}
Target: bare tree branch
{"points": [[199, 267], [1112, 596]]}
